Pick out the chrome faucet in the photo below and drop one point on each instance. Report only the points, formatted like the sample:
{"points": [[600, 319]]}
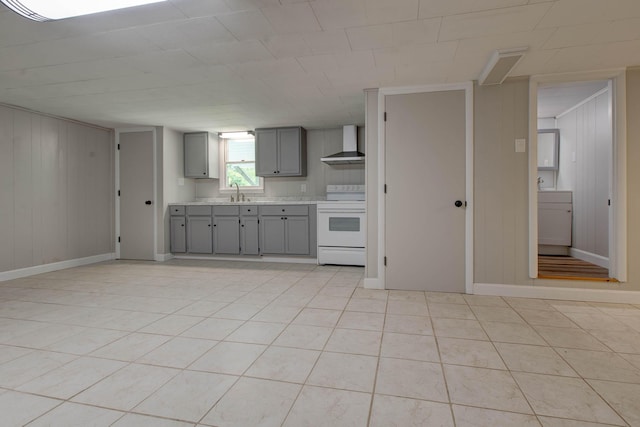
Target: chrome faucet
{"points": [[237, 191]]}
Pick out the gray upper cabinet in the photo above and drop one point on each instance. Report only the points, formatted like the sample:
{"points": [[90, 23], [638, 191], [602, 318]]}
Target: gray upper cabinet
{"points": [[266, 152], [281, 152], [201, 155]]}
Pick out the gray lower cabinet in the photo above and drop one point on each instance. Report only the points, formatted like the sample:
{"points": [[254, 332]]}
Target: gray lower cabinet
{"points": [[199, 240], [272, 236], [199, 229], [245, 229], [250, 242], [285, 230], [178, 233], [249, 230], [227, 234], [226, 229], [296, 232]]}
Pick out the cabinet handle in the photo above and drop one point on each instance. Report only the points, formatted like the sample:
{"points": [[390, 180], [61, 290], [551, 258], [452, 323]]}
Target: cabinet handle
{"points": [[282, 210], [209, 225], [275, 171], [181, 225], [286, 217]]}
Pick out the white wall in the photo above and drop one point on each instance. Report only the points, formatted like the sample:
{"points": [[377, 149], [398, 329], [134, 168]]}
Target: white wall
{"points": [[56, 190], [175, 187], [320, 143], [371, 139], [585, 160]]}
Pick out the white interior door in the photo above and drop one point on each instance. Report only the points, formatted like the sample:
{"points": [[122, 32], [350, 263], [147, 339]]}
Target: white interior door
{"points": [[137, 202], [425, 155]]}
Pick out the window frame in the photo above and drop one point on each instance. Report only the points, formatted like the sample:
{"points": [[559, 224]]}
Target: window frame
{"points": [[224, 155]]}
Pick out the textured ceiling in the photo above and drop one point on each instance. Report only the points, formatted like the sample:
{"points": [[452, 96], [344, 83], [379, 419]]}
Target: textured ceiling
{"points": [[239, 64], [555, 99]]}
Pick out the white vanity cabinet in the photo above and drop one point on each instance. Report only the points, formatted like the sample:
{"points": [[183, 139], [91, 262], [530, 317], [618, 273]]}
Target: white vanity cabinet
{"points": [[555, 213]]}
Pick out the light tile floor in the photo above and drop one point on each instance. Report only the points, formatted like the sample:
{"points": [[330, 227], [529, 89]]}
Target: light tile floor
{"points": [[204, 343]]}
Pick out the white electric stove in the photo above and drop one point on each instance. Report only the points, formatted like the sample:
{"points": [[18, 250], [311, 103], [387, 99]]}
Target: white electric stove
{"points": [[341, 226]]}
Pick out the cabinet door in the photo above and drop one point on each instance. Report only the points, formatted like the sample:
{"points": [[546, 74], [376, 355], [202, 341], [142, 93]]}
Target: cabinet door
{"points": [[199, 236], [554, 224], [178, 234], [297, 235], [227, 234], [272, 235], [196, 155], [289, 152], [267, 152], [249, 229]]}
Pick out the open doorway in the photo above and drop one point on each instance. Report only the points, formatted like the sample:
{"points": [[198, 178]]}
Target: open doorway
{"points": [[574, 180]]}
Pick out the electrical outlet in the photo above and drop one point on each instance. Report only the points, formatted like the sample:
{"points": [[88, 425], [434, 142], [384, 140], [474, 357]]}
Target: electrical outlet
{"points": [[521, 145], [303, 188]]}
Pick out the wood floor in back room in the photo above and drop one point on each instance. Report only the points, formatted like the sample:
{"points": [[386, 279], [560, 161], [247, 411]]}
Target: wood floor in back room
{"points": [[569, 267]]}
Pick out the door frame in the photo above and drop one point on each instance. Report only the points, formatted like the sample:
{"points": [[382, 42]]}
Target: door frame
{"points": [[382, 94], [618, 210], [156, 199]]}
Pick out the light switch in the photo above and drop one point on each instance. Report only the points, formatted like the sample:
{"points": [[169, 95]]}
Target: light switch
{"points": [[521, 145]]}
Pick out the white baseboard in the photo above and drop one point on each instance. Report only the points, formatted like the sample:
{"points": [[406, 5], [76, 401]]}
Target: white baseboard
{"points": [[291, 260], [163, 257], [47, 268], [589, 257], [372, 283], [548, 292]]}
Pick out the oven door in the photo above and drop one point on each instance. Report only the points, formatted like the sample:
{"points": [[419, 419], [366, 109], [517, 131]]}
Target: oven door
{"points": [[339, 228]]}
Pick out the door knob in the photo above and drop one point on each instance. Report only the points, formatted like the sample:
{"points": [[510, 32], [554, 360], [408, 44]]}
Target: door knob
{"points": [[458, 203], [148, 202]]}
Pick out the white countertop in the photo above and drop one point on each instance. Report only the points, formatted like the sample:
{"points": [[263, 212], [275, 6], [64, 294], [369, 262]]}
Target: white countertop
{"points": [[248, 203]]}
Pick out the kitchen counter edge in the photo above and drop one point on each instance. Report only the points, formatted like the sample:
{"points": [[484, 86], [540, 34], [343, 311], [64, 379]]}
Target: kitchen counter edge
{"points": [[249, 203]]}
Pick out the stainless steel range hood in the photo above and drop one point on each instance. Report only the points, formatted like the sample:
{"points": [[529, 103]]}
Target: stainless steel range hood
{"points": [[349, 154]]}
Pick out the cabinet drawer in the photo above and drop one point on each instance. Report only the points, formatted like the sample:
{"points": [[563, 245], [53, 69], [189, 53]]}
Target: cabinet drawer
{"points": [[284, 210], [554, 196], [199, 210], [248, 210], [226, 210], [176, 210]]}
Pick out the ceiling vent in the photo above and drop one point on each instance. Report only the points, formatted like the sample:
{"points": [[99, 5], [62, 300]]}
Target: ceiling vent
{"points": [[500, 64]]}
